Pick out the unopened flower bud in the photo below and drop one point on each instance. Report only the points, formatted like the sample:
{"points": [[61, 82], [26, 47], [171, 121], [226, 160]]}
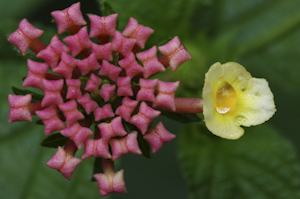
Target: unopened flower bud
{"points": [[131, 66], [158, 136], [137, 31], [36, 73], [104, 112], [165, 97], [71, 112], [112, 129], [144, 117], [96, 148], [107, 91], [66, 66], [127, 107], [150, 62], [88, 104], [88, 64], [110, 70], [51, 54], [124, 86], [52, 92], [73, 88], [77, 133], [175, 53], [125, 145], [19, 108], [78, 41], [122, 44], [103, 25], [146, 92], [102, 51], [26, 36], [69, 18], [93, 83], [51, 120], [110, 181], [64, 160]]}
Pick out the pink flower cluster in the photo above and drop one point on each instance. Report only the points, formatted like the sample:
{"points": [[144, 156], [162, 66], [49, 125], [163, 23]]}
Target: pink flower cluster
{"points": [[104, 84]]}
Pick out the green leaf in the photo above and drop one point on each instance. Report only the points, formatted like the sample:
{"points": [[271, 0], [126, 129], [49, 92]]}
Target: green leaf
{"points": [[35, 97], [144, 146], [166, 17], [97, 167], [54, 140], [268, 32], [182, 117], [106, 9], [18, 8], [261, 164]]}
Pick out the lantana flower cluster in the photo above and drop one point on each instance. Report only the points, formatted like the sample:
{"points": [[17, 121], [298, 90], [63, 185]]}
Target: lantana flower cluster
{"points": [[106, 84], [100, 93]]}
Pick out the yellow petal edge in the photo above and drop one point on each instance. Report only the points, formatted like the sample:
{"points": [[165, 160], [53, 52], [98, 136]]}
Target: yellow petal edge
{"points": [[232, 97]]}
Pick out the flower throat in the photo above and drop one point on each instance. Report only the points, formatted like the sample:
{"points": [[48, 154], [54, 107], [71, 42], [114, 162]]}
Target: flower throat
{"points": [[225, 98]]}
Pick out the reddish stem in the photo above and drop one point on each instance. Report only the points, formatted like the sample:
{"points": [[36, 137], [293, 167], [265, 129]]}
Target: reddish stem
{"points": [[74, 29], [104, 39], [188, 105], [70, 147], [37, 45], [108, 167]]}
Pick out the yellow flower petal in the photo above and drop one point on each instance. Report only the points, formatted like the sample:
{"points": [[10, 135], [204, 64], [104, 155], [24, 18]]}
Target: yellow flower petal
{"points": [[233, 98]]}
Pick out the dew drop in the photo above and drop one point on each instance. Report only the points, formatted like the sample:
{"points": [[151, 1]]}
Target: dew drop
{"points": [[243, 88], [240, 76], [240, 119], [256, 94]]}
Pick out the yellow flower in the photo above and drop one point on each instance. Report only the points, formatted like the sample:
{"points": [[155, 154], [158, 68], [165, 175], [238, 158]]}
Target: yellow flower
{"points": [[232, 97]]}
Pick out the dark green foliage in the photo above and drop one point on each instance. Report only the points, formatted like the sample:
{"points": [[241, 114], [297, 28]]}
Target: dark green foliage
{"points": [[54, 140], [261, 164], [182, 117]]}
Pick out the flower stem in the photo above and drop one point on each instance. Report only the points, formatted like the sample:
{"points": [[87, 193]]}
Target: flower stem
{"points": [[108, 167], [188, 105]]}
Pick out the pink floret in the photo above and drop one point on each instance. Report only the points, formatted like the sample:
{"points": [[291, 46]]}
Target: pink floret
{"points": [[158, 136], [125, 145], [36, 73], [19, 108], [88, 104], [175, 53], [113, 183], [68, 17], [88, 64], [79, 41], [64, 162], [102, 26], [112, 129], [24, 36], [137, 31], [51, 120], [77, 133], [52, 92], [122, 44], [144, 117], [53, 52], [166, 93], [150, 62], [104, 112], [127, 107]]}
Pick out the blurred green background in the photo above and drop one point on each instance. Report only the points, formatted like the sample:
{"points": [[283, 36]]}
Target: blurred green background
{"points": [[262, 35]]}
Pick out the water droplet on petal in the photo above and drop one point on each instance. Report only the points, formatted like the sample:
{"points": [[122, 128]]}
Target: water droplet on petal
{"points": [[223, 110], [239, 120], [240, 76], [256, 94]]}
